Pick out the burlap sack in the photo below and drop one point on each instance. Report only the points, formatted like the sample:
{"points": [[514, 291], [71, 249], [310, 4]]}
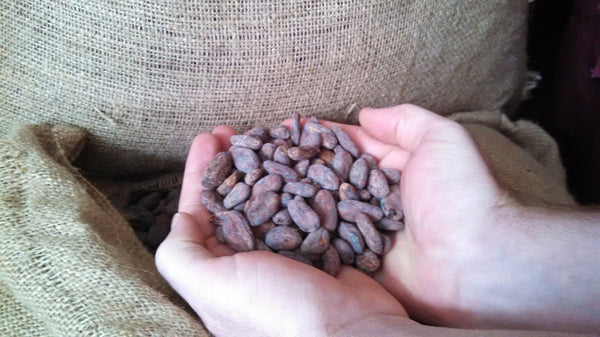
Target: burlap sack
{"points": [[145, 76], [69, 264]]}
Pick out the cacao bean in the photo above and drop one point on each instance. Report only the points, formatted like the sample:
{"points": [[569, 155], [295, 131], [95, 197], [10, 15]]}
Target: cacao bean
{"points": [[252, 177], [267, 151], [302, 152], [392, 176], [296, 129], [392, 204], [258, 132], [282, 218], [367, 262], [285, 199], [310, 139], [300, 188], [323, 176], [217, 170], [345, 251], [211, 201], [270, 182], [227, 185], [236, 230], [349, 209], [244, 159], [352, 235], [246, 141], [286, 172], [316, 242], [304, 217], [331, 261], [283, 238], [280, 156], [261, 230], [378, 185], [301, 167], [279, 132], [347, 192], [342, 162], [359, 173], [388, 224], [369, 232], [345, 141], [262, 207], [239, 194], [324, 206]]}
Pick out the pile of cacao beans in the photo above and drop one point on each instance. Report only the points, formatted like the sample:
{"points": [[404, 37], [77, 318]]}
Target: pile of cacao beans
{"points": [[304, 192]]}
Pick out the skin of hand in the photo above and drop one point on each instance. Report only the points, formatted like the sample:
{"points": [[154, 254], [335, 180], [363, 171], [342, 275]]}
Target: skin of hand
{"points": [[448, 267]]}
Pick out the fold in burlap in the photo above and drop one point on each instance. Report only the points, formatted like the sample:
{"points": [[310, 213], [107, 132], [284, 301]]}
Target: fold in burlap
{"points": [[144, 77], [69, 263]]}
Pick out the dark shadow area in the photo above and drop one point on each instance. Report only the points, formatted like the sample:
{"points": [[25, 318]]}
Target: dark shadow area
{"points": [[564, 47]]}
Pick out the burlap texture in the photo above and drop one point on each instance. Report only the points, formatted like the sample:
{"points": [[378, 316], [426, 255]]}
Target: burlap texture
{"points": [[145, 76], [69, 264]]}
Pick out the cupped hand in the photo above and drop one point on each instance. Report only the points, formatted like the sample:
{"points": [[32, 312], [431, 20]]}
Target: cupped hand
{"points": [[450, 200], [259, 293]]}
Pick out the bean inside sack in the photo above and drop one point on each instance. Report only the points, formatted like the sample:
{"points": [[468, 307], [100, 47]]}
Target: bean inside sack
{"points": [[306, 193]]}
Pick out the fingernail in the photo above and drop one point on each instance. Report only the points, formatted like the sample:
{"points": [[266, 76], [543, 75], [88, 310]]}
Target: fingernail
{"points": [[175, 221]]}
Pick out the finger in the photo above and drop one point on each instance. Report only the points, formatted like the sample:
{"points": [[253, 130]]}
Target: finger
{"points": [[404, 125], [223, 133], [203, 148]]}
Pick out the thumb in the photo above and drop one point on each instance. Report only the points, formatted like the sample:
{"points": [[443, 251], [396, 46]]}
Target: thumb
{"points": [[408, 125]]}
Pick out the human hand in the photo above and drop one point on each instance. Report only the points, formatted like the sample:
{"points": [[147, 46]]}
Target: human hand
{"points": [[261, 293]]}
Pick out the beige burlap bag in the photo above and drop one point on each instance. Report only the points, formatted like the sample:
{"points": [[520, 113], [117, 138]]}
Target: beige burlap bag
{"points": [[69, 263], [143, 77]]}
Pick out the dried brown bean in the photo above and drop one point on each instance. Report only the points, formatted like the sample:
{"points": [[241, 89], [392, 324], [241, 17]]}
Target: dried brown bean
{"points": [[244, 159], [329, 140], [378, 185], [239, 194], [279, 132], [323, 176], [392, 176], [359, 173], [211, 201], [150, 200], [367, 262], [246, 141], [342, 162], [270, 182], [285, 199], [300, 188], [286, 172], [352, 235], [295, 256], [370, 234], [364, 195], [236, 230], [286, 143], [387, 243], [345, 141], [261, 230], [347, 192], [301, 167], [259, 132], [331, 261], [280, 156], [371, 161], [302, 152], [227, 185], [262, 207], [310, 139], [349, 209], [282, 218], [388, 224], [304, 217], [240, 207], [262, 246], [219, 234], [392, 204], [315, 242], [252, 177], [217, 170], [296, 129], [325, 207], [283, 238], [345, 251], [327, 156], [266, 151], [318, 161]]}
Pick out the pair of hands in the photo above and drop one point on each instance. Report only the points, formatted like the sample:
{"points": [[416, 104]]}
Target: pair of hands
{"points": [[450, 199]]}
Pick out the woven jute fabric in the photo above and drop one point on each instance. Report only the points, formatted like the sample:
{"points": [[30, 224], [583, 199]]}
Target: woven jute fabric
{"points": [[70, 265], [143, 77]]}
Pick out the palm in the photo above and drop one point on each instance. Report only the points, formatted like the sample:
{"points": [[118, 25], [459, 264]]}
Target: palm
{"points": [[252, 290]]}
